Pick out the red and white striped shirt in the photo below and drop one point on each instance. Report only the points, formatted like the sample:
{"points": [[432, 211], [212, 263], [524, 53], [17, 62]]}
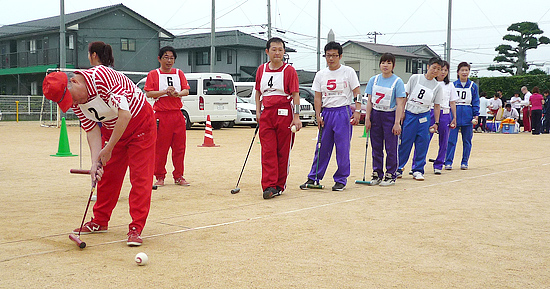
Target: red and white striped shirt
{"points": [[115, 89]]}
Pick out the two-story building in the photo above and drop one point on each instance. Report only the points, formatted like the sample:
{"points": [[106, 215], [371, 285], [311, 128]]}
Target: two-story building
{"points": [[364, 57], [28, 49], [237, 53]]}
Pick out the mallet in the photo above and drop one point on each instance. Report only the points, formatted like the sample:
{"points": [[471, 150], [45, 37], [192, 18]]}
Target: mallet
{"points": [[87, 172], [236, 189], [365, 182], [81, 244], [318, 149]]}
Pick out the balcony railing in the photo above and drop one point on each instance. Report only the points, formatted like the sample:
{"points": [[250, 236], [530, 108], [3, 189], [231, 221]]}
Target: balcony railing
{"points": [[35, 58]]}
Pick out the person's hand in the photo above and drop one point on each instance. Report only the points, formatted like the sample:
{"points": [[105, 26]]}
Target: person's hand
{"points": [[355, 118], [297, 122], [320, 121], [104, 155], [96, 172], [368, 124], [453, 123], [396, 129], [171, 91]]}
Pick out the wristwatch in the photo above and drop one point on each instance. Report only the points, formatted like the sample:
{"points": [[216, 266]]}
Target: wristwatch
{"points": [[437, 123], [357, 110]]}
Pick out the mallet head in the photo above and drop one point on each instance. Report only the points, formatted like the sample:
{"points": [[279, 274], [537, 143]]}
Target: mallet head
{"points": [[235, 190], [81, 244]]}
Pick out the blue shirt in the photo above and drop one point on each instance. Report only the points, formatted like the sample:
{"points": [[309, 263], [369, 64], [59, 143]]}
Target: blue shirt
{"points": [[398, 90], [465, 113]]}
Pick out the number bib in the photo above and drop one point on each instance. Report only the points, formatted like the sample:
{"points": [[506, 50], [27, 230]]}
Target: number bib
{"points": [[420, 99], [381, 96], [169, 79], [464, 95], [98, 111], [272, 83]]}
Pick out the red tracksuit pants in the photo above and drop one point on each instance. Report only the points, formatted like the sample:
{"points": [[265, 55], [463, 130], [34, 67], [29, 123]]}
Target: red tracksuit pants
{"points": [[276, 140], [170, 134], [136, 150]]}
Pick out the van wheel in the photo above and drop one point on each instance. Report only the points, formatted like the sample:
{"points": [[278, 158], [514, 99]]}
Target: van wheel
{"points": [[188, 124], [228, 123], [304, 124], [217, 124]]}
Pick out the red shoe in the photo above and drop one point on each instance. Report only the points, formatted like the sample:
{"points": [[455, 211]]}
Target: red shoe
{"points": [[182, 182], [89, 228], [159, 183], [134, 238]]}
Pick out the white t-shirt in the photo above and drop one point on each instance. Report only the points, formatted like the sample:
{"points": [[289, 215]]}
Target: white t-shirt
{"points": [[449, 94], [526, 100], [336, 86], [516, 102], [483, 104], [495, 104], [510, 114], [422, 93]]}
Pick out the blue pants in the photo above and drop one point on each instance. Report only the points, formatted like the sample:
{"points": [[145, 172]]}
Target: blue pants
{"points": [[443, 130], [416, 130], [336, 132], [467, 133]]}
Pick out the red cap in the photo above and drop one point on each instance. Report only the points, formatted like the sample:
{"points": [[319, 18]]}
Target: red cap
{"points": [[55, 89]]}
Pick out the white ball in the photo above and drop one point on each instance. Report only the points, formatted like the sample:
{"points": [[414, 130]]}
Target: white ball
{"points": [[432, 130], [293, 128], [141, 259], [474, 121]]}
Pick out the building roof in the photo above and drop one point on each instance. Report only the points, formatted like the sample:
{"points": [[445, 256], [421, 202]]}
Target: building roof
{"points": [[224, 38], [383, 48], [417, 49], [52, 23]]}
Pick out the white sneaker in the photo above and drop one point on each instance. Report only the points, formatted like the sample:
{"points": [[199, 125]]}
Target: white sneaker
{"points": [[437, 171], [418, 176], [94, 198]]}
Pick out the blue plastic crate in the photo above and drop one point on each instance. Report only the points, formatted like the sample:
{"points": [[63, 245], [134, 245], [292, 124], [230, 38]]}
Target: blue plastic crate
{"points": [[509, 128]]}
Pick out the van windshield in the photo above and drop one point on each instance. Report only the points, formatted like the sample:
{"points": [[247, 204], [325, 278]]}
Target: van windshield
{"points": [[219, 86]]}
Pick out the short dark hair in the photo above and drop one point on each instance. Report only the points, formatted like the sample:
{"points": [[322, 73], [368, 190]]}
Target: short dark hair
{"points": [[103, 51], [435, 60], [460, 65], [387, 57], [546, 91], [483, 94], [333, 46], [166, 49], [536, 89], [508, 105], [274, 39]]}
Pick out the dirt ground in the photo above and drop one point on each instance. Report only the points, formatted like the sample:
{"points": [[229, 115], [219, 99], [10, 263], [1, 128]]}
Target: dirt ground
{"points": [[487, 227]]}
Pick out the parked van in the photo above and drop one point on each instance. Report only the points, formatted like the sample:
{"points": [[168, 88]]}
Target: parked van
{"points": [[209, 94]]}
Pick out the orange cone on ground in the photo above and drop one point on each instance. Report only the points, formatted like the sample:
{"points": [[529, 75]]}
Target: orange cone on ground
{"points": [[208, 137]]}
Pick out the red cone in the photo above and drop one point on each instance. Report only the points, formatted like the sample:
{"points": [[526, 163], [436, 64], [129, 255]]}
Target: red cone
{"points": [[208, 137]]}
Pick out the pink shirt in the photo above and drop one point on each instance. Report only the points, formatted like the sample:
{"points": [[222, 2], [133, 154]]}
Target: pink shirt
{"points": [[536, 101]]}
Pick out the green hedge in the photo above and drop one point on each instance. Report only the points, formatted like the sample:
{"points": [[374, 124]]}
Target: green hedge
{"points": [[511, 84]]}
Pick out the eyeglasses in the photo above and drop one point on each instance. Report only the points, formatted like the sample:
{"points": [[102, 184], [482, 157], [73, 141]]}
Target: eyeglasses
{"points": [[331, 55], [168, 58]]}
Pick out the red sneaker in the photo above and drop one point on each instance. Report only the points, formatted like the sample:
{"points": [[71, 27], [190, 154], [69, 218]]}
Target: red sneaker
{"points": [[182, 182], [134, 238], [159, 183], [89, 228]]}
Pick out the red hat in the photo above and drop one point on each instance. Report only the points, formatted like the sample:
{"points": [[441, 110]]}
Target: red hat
{"points": [[55, 89]]}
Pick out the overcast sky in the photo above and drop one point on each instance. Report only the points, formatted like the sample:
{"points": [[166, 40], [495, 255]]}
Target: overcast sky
{"points": [[477, 25]]}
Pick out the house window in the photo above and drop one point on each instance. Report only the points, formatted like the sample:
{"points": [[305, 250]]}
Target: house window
{"points": [[218, 55], [70, 42], [127, 44], [408, 66], [34, 88], [32, 46], [202, 57], [229, 56]]}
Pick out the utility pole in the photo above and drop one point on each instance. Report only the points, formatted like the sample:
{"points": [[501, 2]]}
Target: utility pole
{"points": [[375, 34], [268, 19], [319, 36], [448, 48], [62, 50], [213, 36]]}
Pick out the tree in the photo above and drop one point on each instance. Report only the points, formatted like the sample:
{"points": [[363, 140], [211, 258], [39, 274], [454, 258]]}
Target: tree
{"points": [[516, 56], [536, 71]]}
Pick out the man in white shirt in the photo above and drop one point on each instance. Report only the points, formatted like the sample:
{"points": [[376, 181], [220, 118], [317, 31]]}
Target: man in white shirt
{"points": [[526, 109], [483, 104]]}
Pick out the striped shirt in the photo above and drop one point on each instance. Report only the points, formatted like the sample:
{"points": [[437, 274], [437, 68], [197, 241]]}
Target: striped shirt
{"points": [[112, 86]]}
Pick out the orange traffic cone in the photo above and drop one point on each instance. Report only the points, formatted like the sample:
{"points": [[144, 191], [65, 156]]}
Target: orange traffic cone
{"points": [[208, 137]]}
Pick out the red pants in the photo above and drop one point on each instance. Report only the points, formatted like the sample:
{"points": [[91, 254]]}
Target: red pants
{"points": [[526, 119], [276, 140], [170, 134], [135, 149]]}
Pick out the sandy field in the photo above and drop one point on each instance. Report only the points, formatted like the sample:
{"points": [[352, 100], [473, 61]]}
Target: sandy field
{"points": [[486, 227]]}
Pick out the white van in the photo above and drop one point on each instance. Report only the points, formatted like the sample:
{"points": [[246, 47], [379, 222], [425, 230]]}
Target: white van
{"points": [[209, 94]]}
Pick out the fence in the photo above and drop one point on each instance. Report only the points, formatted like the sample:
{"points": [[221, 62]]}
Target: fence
{"points": [[31, 107]]}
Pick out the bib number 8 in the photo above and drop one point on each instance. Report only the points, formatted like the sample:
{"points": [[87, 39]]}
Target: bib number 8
{"points": [[421, 94]]}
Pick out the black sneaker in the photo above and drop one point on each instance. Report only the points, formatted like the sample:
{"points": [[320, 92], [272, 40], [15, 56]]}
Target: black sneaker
{"points": [[279, 191], [309, 182], [270, 193], [375, 181], [338, 187]]}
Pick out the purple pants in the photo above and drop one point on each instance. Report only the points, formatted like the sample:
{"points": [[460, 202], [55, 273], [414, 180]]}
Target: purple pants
{"points": [[381, 136], [336, 133], [443, 130]]}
